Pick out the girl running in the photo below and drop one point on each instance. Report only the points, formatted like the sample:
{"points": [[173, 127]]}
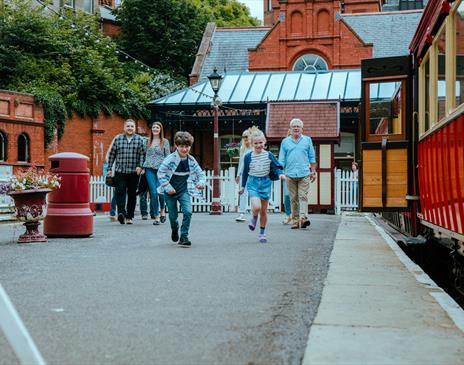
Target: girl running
{"points": [[259, 169]]}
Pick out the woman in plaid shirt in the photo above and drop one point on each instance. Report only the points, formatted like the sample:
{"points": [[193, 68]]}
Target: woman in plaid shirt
{"points": [[128, 154]]}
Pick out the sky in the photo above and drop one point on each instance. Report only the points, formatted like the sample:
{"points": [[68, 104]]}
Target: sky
{"points": [[256, 7]]}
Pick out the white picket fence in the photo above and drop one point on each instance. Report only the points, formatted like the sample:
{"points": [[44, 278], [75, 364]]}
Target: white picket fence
{"points": [[100, 193], [346, 191], [6, 203]]}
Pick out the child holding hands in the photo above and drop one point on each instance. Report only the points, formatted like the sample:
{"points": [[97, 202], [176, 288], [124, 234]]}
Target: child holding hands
{"points": [[180, 177], [260, 168]]}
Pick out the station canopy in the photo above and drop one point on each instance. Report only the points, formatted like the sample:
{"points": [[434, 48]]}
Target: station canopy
{"points": [[251, 89]]}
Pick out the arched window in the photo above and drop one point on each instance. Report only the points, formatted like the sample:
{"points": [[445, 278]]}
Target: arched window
{"points": [[24, 148], [3, 146], [310, 63]]}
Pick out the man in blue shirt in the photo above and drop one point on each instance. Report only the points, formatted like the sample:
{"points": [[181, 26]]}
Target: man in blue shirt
{"points": [[298, 158]]}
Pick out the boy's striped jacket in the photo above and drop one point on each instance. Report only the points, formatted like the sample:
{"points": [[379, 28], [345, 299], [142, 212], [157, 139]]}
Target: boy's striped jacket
{"points": [[169, 166]]}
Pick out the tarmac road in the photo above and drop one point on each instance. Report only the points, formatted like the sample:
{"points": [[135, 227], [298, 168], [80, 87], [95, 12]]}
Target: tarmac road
{"points": [[128, 295]]}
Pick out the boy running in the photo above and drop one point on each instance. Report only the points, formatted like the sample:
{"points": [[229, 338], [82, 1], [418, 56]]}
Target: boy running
{"points": [[180, 177], [260, 167]]}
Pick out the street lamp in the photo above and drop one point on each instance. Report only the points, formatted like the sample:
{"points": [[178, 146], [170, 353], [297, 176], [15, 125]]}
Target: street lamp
{"points": [[215, 80]]}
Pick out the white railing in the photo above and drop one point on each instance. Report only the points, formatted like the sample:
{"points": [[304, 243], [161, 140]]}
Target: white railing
{"points": [[100, 193], [346, 191], [6, 203]]}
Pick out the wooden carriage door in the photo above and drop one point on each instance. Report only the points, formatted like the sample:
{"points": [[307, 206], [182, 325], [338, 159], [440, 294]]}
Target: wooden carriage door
{"points": [[386, 110]]}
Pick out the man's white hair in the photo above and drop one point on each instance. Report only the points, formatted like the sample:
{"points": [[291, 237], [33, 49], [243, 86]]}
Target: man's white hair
{"points": [[296, 122]]}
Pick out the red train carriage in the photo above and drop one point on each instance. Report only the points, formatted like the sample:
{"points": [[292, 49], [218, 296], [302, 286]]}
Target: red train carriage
{"points": [[412, 137]]}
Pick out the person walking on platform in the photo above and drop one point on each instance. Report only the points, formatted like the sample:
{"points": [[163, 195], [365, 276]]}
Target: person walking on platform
{"points": [[180, 177], [260, 167], [298, 158], [157, 150], [128, 155], [243, 199]]}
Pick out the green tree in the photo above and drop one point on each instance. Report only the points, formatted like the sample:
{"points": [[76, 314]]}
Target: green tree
{"points": [[227, 13], [70, 66], [165, 34], [162, 33]]}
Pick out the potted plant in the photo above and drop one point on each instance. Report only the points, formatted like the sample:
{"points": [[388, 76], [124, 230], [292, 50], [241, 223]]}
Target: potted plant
{"points": [[233, 149], [29, 190]]}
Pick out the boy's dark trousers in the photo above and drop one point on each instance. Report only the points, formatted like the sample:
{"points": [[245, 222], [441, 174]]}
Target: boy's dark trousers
{"points": [[186, 205], [126, 184]]}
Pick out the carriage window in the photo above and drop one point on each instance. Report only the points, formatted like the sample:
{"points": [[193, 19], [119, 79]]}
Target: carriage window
{"points": [[23, 148], [441, 86], [3, 146], [426, 91], [459, 46], [385, 108]]}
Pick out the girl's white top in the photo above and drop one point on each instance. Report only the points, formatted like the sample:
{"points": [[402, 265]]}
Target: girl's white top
{"points": [[260, 164]]}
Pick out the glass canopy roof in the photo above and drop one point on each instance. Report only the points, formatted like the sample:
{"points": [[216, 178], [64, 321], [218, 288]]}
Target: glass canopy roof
{"points": [[262, 87]]}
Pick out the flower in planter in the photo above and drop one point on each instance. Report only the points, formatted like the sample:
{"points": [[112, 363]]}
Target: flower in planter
{"points": [[31, 179], [233, 149]]}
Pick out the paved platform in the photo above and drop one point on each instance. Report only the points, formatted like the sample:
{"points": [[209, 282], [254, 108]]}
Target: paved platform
{"points": [[378, 307]]}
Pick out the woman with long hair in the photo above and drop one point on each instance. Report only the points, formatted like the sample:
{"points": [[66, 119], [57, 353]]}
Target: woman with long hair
{"points": [[245, 146], [157, 149]]}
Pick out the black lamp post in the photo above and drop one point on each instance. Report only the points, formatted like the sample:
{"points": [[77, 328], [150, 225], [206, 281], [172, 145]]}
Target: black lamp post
{"points": [[216, 80]]}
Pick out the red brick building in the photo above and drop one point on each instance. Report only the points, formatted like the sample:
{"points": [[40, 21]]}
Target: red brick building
{"points": [[21, 131]]}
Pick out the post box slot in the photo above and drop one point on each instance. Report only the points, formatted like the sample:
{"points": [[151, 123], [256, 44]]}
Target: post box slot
{"points": [[55, 164]]}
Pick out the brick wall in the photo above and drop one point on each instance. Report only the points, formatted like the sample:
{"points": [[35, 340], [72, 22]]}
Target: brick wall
{"points": [[92, 138]]}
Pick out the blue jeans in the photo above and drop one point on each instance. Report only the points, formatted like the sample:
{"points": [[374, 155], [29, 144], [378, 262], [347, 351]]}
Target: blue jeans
{"points": [[114, 203], [144, 204], [186, 206], [153, 184], [287, 205]]}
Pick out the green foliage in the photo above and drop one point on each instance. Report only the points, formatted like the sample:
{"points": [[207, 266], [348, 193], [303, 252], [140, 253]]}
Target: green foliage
{"points": [[227, 13], [70, 66], [162, 33], [166, 34]]}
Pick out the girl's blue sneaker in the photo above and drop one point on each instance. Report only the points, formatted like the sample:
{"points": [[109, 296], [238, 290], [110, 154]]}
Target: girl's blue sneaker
{"points": [[262, 238], [252, 223]]}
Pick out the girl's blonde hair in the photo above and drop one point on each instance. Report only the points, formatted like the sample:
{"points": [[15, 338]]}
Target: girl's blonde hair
{"points": [[256, 133]]}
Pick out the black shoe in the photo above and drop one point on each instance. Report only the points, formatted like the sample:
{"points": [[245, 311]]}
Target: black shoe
{"points": [[175, 235], [121, 218], [184, 241], [305, 223], [163, 219]]}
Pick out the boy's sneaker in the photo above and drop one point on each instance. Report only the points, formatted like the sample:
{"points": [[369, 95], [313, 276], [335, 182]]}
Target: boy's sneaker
{"points": [[262, 238], [175, 235], [144, 217], [240, 218], [184, 241], [121, 218], [128, 221], [304, 223], [113, 218], [252, 223]]}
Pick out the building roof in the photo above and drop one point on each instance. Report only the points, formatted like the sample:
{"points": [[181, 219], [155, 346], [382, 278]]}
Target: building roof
{"points": [[229, 49], [241, 88], [321, 119], [106, 13], [389, 32]]}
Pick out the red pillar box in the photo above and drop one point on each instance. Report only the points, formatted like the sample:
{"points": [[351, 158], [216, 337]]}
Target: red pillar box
{"points": [[68, 211]]}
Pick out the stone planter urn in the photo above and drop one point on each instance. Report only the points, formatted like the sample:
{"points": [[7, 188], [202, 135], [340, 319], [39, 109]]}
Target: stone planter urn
{"points": [[30, 206]]}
